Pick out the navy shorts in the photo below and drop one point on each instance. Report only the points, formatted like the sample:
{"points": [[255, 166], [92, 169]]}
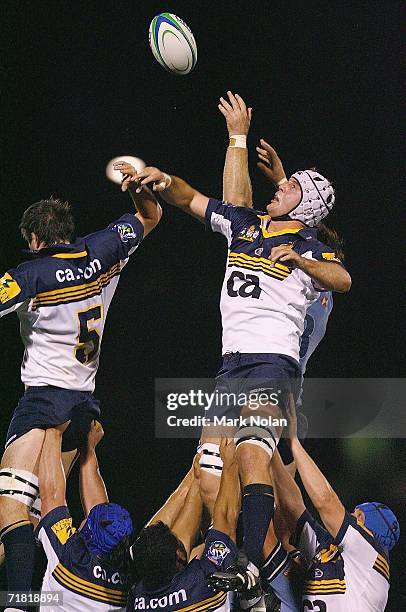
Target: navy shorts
{"points": [[245, 374], [44, 407]]}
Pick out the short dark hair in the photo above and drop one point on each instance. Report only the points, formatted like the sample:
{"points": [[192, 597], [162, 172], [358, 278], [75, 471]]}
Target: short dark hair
{"points": [[154, 554], [50, 220], [119, 557]]}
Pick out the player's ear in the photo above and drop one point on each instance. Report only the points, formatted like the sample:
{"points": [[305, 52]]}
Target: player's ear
{"points": [[359, 515]]}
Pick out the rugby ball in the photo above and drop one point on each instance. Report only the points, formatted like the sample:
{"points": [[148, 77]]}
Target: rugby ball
{"points": [[115, 175], [172, 43]]}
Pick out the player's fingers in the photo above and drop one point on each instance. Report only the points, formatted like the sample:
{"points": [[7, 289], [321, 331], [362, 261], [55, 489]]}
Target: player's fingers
{"points": [[226, 105], [241, 103], [265, 169], [264, 159], [262, 151], [268, 147], [249, 113], [222, 110], [233, 101]]}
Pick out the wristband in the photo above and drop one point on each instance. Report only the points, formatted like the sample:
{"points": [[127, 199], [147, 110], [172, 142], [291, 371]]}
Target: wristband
{"points": [[238, 140], [282, 181], [165, 183], [168, 180]]}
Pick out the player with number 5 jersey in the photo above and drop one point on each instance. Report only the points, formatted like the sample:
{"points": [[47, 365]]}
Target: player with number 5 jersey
{"points": [[61, 296]]}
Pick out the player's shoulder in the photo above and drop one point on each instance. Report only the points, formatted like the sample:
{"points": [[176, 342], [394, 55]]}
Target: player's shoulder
{"points": [[307, 242], [58, 520], [352, 527], [123, 228]]}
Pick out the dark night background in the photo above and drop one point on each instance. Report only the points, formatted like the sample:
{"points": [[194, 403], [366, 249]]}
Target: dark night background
{"points": [[80, 86]]}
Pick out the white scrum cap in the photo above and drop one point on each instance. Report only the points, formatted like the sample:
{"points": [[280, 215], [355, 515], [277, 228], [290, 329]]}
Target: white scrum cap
{"points": [[317, 198]]}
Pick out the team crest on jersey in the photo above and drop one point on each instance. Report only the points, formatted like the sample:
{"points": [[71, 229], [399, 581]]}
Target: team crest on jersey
{"points": [[328, 554], [318, 573], [249, 233], [9, 288], [125, 230], [217, 552], [259, 251], [63, 529]]}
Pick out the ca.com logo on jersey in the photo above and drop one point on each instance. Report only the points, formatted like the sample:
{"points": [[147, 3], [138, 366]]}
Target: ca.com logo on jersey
{"points": [[249, 287]]}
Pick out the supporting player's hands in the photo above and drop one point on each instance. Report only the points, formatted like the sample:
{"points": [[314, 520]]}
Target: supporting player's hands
{"points": [[291, 428], [270, 163], [227, 451], [236, 113], [95, 434], [284, 253]]}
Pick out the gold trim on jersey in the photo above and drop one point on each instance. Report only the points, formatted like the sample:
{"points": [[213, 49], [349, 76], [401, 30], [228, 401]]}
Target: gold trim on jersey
{"points": [[70, 255], [325, 587], [88, 589], [261, 264], [207, 604], [382, 567], [267, 234], [76, 292]]}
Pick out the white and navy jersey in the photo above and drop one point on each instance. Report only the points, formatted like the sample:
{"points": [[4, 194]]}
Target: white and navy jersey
{"points": [[188, 590], [316, 319], [86, 581], [263, 304], [348, 573], [62, 298]]}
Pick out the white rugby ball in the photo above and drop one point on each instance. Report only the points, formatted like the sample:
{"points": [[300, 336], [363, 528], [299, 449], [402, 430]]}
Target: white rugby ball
{"points": [[172, 43], [115, 175]]}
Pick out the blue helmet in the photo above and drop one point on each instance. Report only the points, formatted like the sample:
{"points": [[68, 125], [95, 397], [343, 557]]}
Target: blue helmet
{"points": [[106, 525], [382, 522]]}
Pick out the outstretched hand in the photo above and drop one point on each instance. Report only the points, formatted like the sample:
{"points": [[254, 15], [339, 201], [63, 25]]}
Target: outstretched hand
{"points": [[146, 176], [270, 163], [236, 113]]}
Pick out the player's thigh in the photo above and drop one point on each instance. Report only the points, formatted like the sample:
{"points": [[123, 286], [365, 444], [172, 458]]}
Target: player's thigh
{"points": [[22, 454], [25, 451]]}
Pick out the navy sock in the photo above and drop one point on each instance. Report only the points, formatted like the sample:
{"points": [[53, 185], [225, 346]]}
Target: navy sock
{"points": [[19, 549], [258, 509]]}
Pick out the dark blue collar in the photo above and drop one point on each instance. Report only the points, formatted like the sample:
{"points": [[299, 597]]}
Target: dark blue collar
{"points": [[71, 247]]}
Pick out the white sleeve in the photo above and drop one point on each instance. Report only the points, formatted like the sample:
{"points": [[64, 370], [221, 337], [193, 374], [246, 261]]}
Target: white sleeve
{"points": [[309, 534]]}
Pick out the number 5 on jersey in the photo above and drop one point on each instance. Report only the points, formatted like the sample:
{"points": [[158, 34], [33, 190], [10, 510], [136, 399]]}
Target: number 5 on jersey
{"points": [[87, 346]]}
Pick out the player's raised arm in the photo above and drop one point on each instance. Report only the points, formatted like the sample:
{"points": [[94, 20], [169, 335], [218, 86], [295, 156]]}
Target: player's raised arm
{"points": [[174, 190], [187, 523], [173, 505], [321, 493], [237, 188], [51, 476], [288, 495], [148, 210], [91, 483], [228, 502]]}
